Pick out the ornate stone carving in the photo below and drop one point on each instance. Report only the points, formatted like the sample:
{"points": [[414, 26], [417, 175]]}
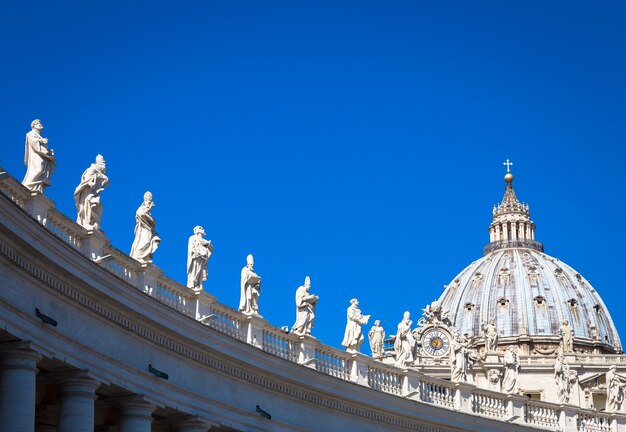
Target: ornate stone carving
{"points": [[491, 335], [615, 384], [305, 309], [461, 358], [566, 335], [199, 251], [87, 195], [434, 314], [250, 288], [38, 158], [404, 344], [562, 379], [377, 340], [353, 335], [511, 370], [146, 240]]}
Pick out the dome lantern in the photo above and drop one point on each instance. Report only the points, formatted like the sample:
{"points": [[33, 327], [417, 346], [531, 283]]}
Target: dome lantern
{"points": [[511, 225]]}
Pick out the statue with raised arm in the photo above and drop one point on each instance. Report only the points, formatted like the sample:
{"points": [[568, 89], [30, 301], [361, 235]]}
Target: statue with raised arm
{"points": [[87, 195], [491, 335], [562, 378], [404, 344], [353, 336], [377, 340], [250, 288], [146, 240], [38, 158], [199, 251], [305, 309], [566, 334], [511, 370], [615, 384]]}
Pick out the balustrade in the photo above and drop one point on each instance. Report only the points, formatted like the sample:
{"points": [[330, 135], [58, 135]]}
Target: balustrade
{"points": [[333, 362], [385, 379], [490, 405], [593, 422], [281, 345], [65, 228], [541, 414], [437, 393]]}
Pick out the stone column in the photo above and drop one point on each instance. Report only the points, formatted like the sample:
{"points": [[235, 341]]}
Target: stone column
{"points": [[514, 231], [76, 410], [192, 424], [505, 231], [18, 374], [135, 415]]}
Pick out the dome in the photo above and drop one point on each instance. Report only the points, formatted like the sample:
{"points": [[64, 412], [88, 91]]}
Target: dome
{"points": [[528, 293]]}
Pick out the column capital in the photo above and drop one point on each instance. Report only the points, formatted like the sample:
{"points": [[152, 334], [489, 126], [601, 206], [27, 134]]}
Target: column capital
{"points": [[192, 424], [19, 356], [77, 383], [135, 406]]}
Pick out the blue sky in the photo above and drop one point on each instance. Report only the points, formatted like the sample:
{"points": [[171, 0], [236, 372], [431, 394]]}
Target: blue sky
{"points": [[360, 143]]}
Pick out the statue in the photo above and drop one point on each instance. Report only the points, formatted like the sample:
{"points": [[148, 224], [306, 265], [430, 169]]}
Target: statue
{"points": [[199, 251], [405, 342], [459, 358], [434, 314], [566, 334], [353, 336], [38, 158], [250, 288], [87, 195], [146, 241], [377, 340], [491, 335], [614, 390], [305, 309], [511, 369], [562, 378]]}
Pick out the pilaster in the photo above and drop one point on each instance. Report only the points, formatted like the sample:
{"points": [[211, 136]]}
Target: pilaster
{"points": [[515, 408], [38, 205], [463, 396], [358, 369], [306, 353], [93, 244], [568, 419], [253, 328]]}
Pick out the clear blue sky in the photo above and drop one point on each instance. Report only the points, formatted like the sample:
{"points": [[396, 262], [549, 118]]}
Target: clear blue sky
{"points": [[360, 143]]}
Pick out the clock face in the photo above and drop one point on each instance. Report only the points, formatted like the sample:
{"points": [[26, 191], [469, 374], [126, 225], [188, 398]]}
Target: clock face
{"points": [[436, 343]]}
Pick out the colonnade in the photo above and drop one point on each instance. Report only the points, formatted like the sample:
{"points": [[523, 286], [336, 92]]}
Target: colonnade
{"points": [[513, 231], [76, 408]]}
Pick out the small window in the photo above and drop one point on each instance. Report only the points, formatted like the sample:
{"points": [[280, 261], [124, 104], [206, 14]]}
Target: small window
{"points": [[572, 303], [469, 307], [540, 301], [503, 302], [597, 308], [533, 395]]}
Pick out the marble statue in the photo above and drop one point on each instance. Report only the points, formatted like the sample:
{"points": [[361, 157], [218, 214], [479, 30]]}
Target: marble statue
{"points": [[566, 333], [404, 345], [615, 384], [38, 158], [511, 370], [199, 251], [305, 309], [146, 240], [491, 335], [434, 314], [250, 288], [562, 378], [459, 358], [87, 195], [377, 340], [353, 336]]}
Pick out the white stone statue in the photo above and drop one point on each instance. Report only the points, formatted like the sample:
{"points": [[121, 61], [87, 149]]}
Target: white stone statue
{"points": [[353, 336], [491, 335], [305, 309], [146, 241], [38, 158], [404, 345], [87, 195], [199, 251], [250, 288], [562, 378], [566, 334], [615, 384], [459, 358], [511, 370], [377, 340]]}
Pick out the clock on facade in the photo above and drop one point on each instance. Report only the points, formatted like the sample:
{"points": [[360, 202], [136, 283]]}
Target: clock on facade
{"points": [[436, 342]]}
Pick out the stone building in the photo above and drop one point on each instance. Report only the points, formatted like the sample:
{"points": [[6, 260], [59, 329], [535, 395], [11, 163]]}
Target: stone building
{"points": [[94, 340]]}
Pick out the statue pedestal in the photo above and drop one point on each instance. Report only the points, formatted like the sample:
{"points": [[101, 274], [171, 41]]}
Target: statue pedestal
{"points": [[253, 327], [201, 304], [306, 355], [93, 243], [37, 205]]}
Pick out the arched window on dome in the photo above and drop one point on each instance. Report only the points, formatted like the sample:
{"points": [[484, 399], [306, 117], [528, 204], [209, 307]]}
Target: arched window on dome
{"points": [[503, 317]]}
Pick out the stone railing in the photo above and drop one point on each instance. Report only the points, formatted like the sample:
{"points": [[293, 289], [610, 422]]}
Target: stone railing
{"points": [[307, 351]]}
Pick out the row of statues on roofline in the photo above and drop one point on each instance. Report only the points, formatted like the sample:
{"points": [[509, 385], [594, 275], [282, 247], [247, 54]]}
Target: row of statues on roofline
{"points": [[40, 164]]}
